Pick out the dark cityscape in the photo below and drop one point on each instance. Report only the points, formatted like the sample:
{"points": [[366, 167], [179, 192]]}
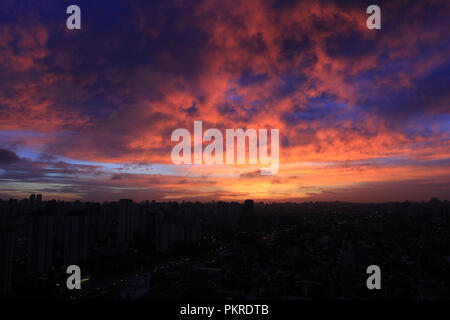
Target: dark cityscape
{"points": [[223, 250]]}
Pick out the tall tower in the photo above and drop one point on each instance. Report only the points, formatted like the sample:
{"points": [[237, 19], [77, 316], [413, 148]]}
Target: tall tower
{"points": [[41, 241], [6, 258], [75, 237]]}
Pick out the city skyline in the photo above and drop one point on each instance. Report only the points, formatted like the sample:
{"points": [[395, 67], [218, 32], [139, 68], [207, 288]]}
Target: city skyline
{"points": [[223, 250], [87, 114]]}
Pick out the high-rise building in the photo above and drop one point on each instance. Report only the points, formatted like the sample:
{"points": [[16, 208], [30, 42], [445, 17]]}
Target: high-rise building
{"points": [[122, 224], [41, 241], [75, 237], [6, 258]]}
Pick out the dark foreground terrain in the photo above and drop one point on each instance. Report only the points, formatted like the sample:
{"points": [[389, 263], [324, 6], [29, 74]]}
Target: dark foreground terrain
{"points": [[219, 250]]}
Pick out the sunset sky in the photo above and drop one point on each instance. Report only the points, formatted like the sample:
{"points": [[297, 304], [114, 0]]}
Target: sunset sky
{"points": [[364, 115]]}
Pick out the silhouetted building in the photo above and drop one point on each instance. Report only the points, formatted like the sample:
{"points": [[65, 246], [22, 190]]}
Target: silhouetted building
{"points": [[6, 258], [41, 241], [75, 237], [248, 206], [122, 223]]}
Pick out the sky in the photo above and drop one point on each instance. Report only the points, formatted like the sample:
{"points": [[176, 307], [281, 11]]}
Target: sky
{"points": [[87, 114]]}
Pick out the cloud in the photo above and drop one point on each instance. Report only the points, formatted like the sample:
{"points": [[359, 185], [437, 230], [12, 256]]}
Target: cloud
{"points": [[111, 94], [8, 157], [251, 174]]}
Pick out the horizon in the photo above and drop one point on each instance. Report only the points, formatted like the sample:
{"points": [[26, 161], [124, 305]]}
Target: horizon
{"points": [[150, 201]]}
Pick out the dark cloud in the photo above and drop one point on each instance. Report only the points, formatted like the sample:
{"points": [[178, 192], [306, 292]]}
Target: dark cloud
{"points": [[8, 157], [251, 174], [396, 104], [351, 45], [249, 78]]}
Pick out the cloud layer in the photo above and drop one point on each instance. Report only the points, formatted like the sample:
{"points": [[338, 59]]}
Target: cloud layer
{"points": [[363, 115]]}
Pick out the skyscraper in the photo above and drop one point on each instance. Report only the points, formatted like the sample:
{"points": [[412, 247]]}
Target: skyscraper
{"points": [[6, 258]]}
